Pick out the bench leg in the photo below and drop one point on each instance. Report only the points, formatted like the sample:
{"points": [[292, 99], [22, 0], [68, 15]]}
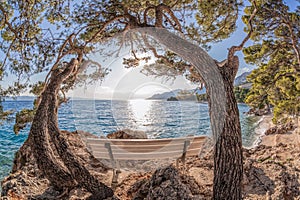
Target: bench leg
{"points": [[114, 181], [115, 177], [183, 162], [185, 146], [182, 158], [177, 162]]}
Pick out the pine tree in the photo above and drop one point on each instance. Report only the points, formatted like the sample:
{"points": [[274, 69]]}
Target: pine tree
{"points": [[276, 52], [77, 28], [240, 94]]}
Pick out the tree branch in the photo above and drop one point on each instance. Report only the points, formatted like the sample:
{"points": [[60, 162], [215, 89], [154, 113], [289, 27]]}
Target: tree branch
{"points": [[7, 52], [146, 12], [104, 26], [11, 28], [234, 49], [292, 37], [294, 43], [162, 7]]}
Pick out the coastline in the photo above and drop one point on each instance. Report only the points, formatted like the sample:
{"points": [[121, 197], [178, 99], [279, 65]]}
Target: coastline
{"points": [[270, 172], [263, 124]]}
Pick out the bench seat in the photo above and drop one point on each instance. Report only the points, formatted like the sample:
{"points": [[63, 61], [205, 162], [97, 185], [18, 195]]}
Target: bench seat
{"points": [[144, 149], [141, 149]]}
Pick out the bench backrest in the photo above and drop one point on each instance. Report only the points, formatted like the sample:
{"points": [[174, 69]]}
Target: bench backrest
{"points": [[144, 149]]}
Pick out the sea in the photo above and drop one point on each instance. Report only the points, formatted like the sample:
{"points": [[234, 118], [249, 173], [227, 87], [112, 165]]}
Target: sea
{"points": [[158, 119]]}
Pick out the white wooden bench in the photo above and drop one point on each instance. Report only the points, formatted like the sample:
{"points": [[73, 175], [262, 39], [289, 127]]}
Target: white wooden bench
{"points": [[144, 149]]}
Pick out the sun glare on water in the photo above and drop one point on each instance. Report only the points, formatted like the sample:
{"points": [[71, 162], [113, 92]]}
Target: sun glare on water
{"points": [[140, 109], [139, 106]]}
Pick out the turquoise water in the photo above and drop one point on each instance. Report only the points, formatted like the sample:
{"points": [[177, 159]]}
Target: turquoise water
{"points": [[159, 119]]}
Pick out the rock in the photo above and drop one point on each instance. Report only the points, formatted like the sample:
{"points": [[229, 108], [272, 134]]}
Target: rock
{"points": [[27, 182], [142, 186], [18, 185], [119, 135], [127, 134], [281, 129], [172, 99], [136, 134], [258, 112], [287, 186], [271, 131], [166, 183]]}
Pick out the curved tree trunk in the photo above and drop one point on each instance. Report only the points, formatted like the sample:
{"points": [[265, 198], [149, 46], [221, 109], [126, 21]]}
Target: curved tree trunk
{"points": [[51, 167], [68, 172], [224, 116]]}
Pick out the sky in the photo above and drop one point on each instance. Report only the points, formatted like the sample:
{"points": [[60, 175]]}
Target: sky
{"points": [[124, 83], [127, 84]]}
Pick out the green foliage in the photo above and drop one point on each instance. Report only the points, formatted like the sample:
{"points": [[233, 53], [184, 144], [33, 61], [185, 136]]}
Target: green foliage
{"points": [[25, 116], [204, 22], [240, 94], [275, 82], [28, 46], [201, 97], [39, 35], [22, 119], [3, 114], [216, 20], [36, 37], [36, 89]]}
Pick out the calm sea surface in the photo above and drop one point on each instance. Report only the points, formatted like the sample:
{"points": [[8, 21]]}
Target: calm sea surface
{"points": [[159, 119]]}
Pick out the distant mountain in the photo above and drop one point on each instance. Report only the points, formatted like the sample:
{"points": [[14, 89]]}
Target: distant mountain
{"points": [[241, 79], [176, 93], [165, 95]]}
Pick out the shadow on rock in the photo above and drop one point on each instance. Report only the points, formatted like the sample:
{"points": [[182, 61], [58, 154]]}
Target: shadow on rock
{"points": [[259, 182], [166, 183]]}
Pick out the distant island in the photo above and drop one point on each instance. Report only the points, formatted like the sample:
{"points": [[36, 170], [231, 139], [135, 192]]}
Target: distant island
{"points": [[179, 95], [172, 99], [241, 88], [165, 95]]}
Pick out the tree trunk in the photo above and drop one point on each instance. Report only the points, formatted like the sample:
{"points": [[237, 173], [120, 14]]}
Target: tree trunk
{"points": [[224, 115], [228, 160], [63, 170], [47, 161]]}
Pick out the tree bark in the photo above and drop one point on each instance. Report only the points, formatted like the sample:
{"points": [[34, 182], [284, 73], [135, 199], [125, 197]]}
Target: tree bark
{"points": [[224, 115], [228, 158], [47, 161], [63, 170]]}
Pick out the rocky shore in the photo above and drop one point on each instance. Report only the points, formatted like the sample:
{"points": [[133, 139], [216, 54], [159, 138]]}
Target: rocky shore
{"points": [[271, 171]]}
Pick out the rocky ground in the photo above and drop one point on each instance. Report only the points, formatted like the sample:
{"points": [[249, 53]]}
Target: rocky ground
{"points": [[27, 182], [271, 171]]}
